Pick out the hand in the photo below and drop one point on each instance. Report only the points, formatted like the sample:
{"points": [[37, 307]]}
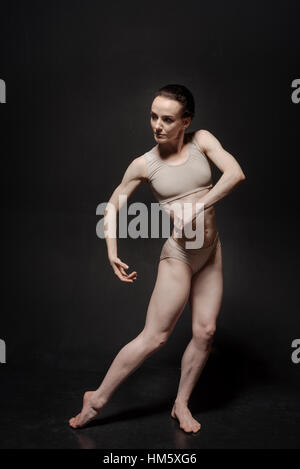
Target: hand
{"points": [[118, 267]]}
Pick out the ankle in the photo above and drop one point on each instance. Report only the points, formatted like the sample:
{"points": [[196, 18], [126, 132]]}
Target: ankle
{"points": [[180, 402]]}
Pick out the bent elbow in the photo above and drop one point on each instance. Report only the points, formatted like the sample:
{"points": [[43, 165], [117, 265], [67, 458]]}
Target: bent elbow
{"points": [[239, 176]]}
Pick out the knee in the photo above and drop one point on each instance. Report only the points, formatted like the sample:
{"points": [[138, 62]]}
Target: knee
{"points": [[203, 335], [157, 340], [160, 339]]}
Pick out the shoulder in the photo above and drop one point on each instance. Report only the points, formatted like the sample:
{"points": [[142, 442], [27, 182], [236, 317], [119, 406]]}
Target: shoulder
{"points": [[206, 140], [137, 168]]}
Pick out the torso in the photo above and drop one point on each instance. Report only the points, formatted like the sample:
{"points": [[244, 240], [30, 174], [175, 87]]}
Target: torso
{"points": [[210, 226], [169, 181]]}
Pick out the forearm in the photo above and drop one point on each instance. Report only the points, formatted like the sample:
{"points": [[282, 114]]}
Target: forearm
{"points": [[112, 249], [114, 205], [225, 185], [110, 230]]}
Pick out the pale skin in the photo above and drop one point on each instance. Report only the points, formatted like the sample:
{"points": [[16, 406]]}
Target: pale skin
{"points": [[203, 290]]}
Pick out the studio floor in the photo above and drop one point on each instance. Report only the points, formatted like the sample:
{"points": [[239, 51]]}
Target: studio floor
{"points": [[234, 410]]}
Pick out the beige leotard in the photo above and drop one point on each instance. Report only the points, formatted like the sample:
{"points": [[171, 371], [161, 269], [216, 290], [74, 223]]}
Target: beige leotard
{"points": [[172, 182]]}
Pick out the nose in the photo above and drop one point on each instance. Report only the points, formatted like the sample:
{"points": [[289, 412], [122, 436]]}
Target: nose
{"points": [[158, 125]]}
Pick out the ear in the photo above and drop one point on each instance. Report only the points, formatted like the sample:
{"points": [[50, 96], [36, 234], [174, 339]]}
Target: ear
{"points": [[187, 121]]}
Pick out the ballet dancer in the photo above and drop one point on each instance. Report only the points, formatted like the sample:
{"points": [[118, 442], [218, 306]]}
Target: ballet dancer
{"points": [[177, 169]]}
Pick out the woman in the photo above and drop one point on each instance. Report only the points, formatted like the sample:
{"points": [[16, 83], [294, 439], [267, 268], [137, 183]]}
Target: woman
{"points": [[177, 169]]}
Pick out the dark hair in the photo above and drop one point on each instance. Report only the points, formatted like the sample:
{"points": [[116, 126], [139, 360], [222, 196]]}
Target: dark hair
{"points": [[182, 94]]}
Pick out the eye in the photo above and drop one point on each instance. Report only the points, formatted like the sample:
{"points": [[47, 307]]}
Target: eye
{"points": [[167, 119]]}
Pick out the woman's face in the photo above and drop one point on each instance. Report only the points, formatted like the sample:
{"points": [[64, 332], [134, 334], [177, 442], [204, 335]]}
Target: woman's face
{"points": [[166, 121]]}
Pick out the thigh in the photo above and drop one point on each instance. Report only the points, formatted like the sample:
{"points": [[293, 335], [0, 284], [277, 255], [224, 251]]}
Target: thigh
{"points": [[207, 291], [169, 296]]}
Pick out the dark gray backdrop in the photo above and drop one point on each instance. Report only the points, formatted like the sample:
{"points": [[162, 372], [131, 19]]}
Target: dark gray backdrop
{"points": [[80, 78]]}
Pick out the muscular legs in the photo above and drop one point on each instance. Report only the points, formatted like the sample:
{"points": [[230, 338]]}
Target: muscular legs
{"points": [[205, 300], [174, 286], [169, 297]]}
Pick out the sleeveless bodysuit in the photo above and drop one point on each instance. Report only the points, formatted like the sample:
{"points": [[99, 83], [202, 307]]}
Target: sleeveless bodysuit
{"points": [[171, 182]]}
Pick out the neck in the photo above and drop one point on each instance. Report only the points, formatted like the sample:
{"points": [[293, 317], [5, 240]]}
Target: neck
{"points": [[173, 147]]}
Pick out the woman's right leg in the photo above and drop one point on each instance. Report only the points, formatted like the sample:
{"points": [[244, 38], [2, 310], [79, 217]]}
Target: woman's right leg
{"points": [[168, 299]]}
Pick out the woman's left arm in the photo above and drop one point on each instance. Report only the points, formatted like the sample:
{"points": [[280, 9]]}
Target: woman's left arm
{"points": [[232, 172]]}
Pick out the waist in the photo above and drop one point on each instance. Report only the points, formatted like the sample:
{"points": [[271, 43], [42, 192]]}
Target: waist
{"points": [[208, 242], [171, 199]]}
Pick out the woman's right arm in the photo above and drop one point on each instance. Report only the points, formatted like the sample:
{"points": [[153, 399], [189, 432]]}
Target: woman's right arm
{"points": [[135, 174]]}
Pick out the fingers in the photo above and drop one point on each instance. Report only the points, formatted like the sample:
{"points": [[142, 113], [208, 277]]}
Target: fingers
{"points": [[122, 277], [120, 272], [126, 277], [132, 276]]}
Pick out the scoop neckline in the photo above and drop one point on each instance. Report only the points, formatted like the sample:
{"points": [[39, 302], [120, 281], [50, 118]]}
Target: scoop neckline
{"points": [[175, 165]]}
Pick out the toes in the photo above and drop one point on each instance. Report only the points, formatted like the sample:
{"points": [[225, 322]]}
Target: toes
{"points": [[190, 429], [186, 429], [74, 421], [77, 420], [71, 422], [197, 428]]}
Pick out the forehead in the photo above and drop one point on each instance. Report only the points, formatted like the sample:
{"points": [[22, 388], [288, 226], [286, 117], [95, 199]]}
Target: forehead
{"points": [[163, 105]]}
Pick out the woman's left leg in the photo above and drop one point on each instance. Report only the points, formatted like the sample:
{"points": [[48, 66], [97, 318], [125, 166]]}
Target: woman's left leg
{"points": [[205, 300]]}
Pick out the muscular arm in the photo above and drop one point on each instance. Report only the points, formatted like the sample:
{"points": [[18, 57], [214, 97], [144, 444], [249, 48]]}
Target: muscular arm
{"points": [[134, 175], [232, 172]]}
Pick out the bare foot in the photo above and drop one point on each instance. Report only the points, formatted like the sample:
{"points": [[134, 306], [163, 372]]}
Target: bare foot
{"points": [[90, 409], [185, 418]]}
